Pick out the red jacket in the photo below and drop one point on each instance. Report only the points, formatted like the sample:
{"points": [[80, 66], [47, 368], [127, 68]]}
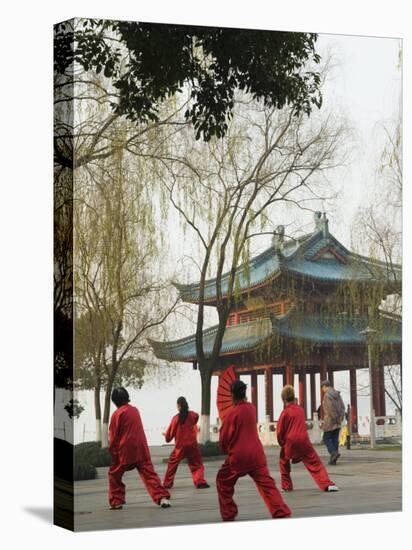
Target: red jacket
{"points": [[185, 434], [239, 439], [292, 433], [127, 439]]}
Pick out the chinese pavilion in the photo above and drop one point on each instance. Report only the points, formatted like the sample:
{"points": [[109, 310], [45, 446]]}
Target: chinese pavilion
{"points": [[301, 308]]}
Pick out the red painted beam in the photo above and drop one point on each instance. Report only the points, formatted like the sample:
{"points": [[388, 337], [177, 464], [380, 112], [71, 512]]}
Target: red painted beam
{"points": [[375, 390], [313, 407], [382, 396], [353, 400], [269, 393], [290, 374], [302, 391], [254, 391], [323, 376]]}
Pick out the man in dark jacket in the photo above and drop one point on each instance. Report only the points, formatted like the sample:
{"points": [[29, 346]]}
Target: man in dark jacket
{"points": [[239, 439], [333, 415]]}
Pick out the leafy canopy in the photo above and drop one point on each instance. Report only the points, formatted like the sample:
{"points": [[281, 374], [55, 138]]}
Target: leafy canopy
{"points": [[149, 62]]}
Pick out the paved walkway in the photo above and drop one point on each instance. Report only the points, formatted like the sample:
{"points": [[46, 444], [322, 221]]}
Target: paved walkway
{"points": [[369, 481]]}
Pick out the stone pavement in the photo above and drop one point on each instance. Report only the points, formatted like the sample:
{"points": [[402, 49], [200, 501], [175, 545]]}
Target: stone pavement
{"points": [[369, 481]]}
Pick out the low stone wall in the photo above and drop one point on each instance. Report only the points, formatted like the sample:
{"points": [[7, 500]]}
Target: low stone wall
{"points": [[388, 427], [267, 431]]}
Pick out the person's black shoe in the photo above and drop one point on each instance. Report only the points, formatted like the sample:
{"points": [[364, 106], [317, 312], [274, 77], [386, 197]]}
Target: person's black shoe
{"points": [[333, 459], [203, 486]]}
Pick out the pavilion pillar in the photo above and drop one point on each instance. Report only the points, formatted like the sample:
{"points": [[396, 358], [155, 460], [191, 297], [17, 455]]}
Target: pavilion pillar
{"points": [[313, 407], [382, 397], [353, 400], [375, 390], [302, 390], [254, 391], [269, 393], [284, 378], [290, 374], [330, 376], [323, 376]]}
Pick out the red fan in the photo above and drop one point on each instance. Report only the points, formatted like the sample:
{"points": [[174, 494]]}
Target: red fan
{"points": [[224, 397]]}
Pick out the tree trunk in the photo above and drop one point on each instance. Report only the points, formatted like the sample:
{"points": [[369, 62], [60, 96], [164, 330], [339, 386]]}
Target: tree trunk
{"points": [[98, 411], [206, 379], [106, 414], [107, 396]]}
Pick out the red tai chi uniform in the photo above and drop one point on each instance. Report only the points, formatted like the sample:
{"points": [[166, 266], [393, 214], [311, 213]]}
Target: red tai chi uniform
{"points": [[185, 447], [239, 439], [296, 447], [129, 450]]}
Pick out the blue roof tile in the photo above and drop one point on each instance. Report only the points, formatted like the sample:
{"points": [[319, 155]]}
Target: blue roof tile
{"points": [[300, 258], [316, 329]]}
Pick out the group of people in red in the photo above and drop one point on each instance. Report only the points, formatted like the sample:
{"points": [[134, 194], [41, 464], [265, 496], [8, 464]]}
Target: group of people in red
{"points": [[239, 440]]}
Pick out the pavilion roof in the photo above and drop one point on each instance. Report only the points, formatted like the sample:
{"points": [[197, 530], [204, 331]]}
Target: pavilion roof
{"points": [[315, 256], [242, 337], [316, 329]]}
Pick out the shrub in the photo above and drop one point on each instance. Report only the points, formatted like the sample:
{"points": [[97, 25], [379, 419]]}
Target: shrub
{"points": [[211, 448], [91, 452], [84, 471]]}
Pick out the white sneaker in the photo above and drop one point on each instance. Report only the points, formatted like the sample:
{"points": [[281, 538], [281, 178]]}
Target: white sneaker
{"points": [[165, 503], [332, 489]]}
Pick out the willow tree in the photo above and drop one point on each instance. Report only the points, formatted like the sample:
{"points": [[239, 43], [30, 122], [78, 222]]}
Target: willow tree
{"points": [[377, 232], [120, 296], [229, 190], [94, 183]]}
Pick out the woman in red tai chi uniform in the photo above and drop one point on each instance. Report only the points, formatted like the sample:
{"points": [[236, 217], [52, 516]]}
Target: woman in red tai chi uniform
{"points": [[183, 429], [129, 450], [296, 446], [239, 439]]}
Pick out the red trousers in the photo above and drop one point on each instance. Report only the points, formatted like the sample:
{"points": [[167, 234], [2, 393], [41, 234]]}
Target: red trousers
{"points": [[195, 464], [225, 483], [117, 489], [313, 465]]}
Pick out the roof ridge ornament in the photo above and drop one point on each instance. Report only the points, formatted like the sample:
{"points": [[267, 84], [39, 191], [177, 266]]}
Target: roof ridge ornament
{"points": [[278, 238], [325, 225], [321, 223]]}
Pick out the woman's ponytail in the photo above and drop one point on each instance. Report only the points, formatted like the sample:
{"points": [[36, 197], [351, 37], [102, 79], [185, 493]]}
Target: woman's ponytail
{"points": [[184, 409]]}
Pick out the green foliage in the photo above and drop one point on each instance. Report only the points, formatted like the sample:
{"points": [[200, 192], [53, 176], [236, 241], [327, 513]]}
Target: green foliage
{"points": [[148, 63], [83, 471], [92, 334], [131, 373], [92, 453]]}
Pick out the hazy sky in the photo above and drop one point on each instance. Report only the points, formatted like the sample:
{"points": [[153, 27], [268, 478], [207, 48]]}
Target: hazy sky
{"points": [[364, 85]]}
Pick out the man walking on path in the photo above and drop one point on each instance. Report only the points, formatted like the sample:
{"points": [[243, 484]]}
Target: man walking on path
{"points": [[239, 439], [333, 415]]}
